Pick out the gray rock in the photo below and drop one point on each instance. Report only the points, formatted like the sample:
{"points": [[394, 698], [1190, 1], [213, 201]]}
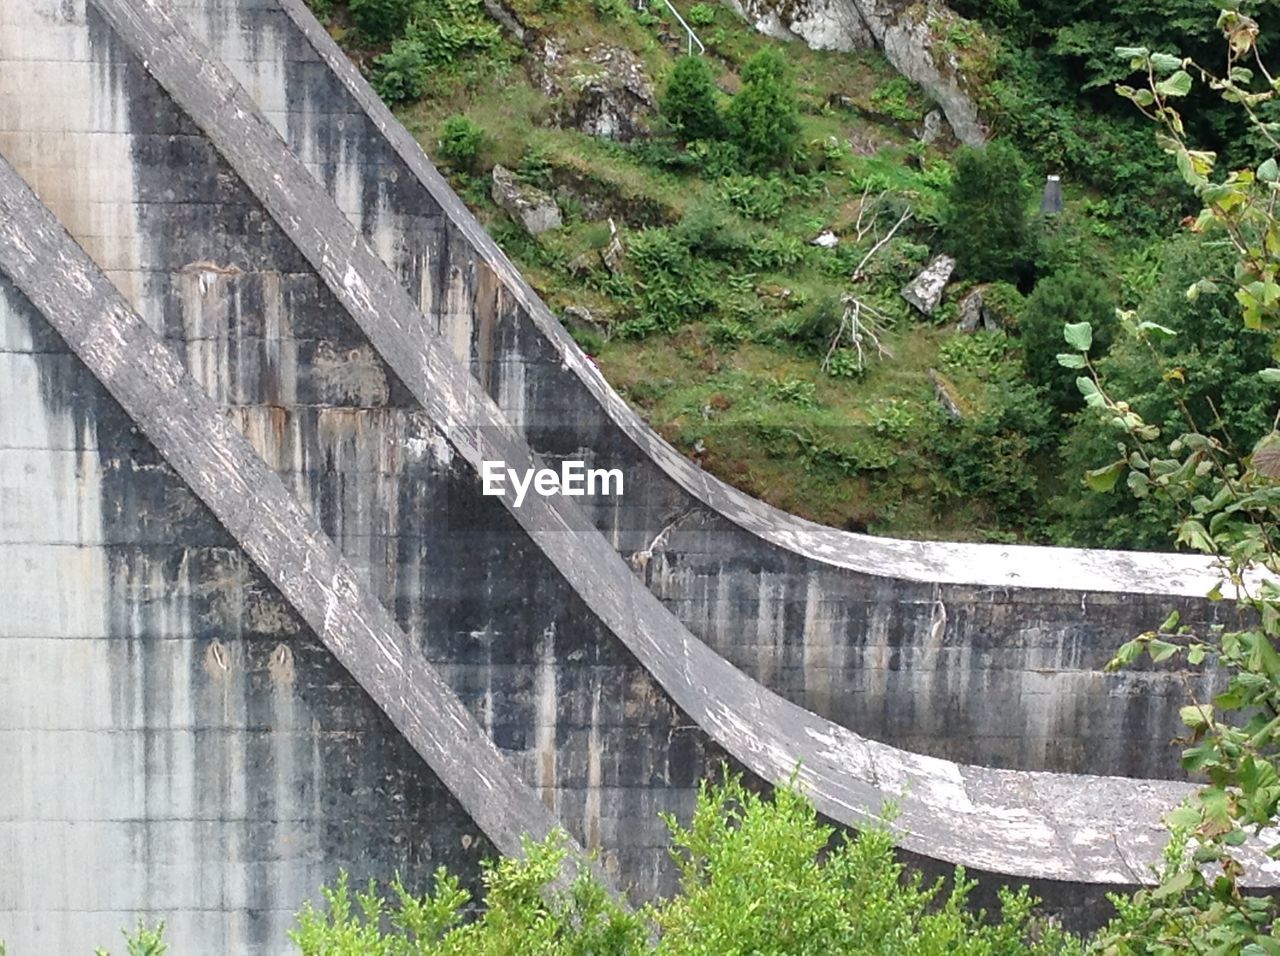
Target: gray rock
{"points": [[932, 127], [945, 392], [609, 95], [911, 36], [970, 311], [977, 311], [925, 290], [532, 208]]}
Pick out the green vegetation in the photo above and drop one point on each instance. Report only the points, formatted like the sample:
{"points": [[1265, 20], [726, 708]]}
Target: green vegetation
{"points": [[985, 219], [753, 150], [689, 102], [763, 118]]}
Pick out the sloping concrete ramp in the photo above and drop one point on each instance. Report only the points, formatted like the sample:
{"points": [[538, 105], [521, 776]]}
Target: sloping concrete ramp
{"points": [[260, 623]]}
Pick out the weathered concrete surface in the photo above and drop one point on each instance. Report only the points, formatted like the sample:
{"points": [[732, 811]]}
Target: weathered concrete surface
{"points": [[608, 705], [979, 653]]}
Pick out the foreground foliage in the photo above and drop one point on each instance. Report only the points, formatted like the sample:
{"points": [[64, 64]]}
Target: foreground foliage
{"points": [[1223, 481], [758, 875]]}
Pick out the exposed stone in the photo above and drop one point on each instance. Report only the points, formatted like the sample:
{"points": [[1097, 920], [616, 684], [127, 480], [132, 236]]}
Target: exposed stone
{"points": [[607, 95], [825, 240], [532, 208], [945, 392], [913, 37], [980, 310], [925, 290], [932, 127], [581, 314], [612, 255]]}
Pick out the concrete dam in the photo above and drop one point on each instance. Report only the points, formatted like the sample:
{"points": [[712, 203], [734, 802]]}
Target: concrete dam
{"points": [[259, 622]]}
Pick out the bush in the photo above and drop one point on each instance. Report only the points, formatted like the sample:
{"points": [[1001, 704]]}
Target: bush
{"points": [[702, 14], [984, 222], [764, 119], [381, 21], [689, 103], [1068, 297], [460, 142], [402, 74], [753, 197]]}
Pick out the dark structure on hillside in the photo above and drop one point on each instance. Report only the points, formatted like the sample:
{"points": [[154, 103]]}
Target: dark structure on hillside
{"points": [[259, 623]]}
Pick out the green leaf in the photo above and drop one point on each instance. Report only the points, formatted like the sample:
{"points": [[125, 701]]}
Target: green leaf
{"points": [[1270, 375], [1269, 172], [1133, 52], [1164, 63], [1092, 397], [1156, 328], [1104, 479], [1173, 887], [1196, 716], [1072, 360], [1179, 84], [1139, 484], [1161, 650], [1079, 335], [1170, 623]]}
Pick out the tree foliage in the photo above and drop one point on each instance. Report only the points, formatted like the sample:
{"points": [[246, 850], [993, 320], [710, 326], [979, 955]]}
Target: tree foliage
{"points": [[758, 875], [689, 103], [763, 119], [985, 223]]}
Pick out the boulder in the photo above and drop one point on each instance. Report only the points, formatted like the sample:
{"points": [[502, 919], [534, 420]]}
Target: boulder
{"points": [[980, 309], [931, 128], [925, 290], [532, 208], [825, 240]]}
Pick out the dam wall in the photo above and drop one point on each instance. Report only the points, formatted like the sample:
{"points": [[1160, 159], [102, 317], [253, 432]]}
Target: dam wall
{"points": [[982, 654], [260, 625]]}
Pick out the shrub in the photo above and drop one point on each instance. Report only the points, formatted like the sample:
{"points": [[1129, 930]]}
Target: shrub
{"points": [[671, 286], [984, 222], [894, 98], [381, 21], [764, 119], [752, 196], [402, 74], [460, 142], [702, 14], [1068, 297], [689, 103]]}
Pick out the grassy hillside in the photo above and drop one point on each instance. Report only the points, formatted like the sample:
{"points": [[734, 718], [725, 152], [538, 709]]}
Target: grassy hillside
{"points": [[721, 320]]}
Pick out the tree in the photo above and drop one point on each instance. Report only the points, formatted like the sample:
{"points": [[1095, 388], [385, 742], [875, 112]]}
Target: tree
{"points": [[984, 223], [764, 118], [381, 21], [689, 103]]}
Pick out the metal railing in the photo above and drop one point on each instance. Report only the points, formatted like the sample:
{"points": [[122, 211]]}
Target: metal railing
{"points": [[693, 37]]}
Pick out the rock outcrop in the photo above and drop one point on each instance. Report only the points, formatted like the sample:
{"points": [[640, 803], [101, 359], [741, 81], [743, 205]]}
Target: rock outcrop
{"points": [[536, 211], [925, 290], [924, 41]]}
